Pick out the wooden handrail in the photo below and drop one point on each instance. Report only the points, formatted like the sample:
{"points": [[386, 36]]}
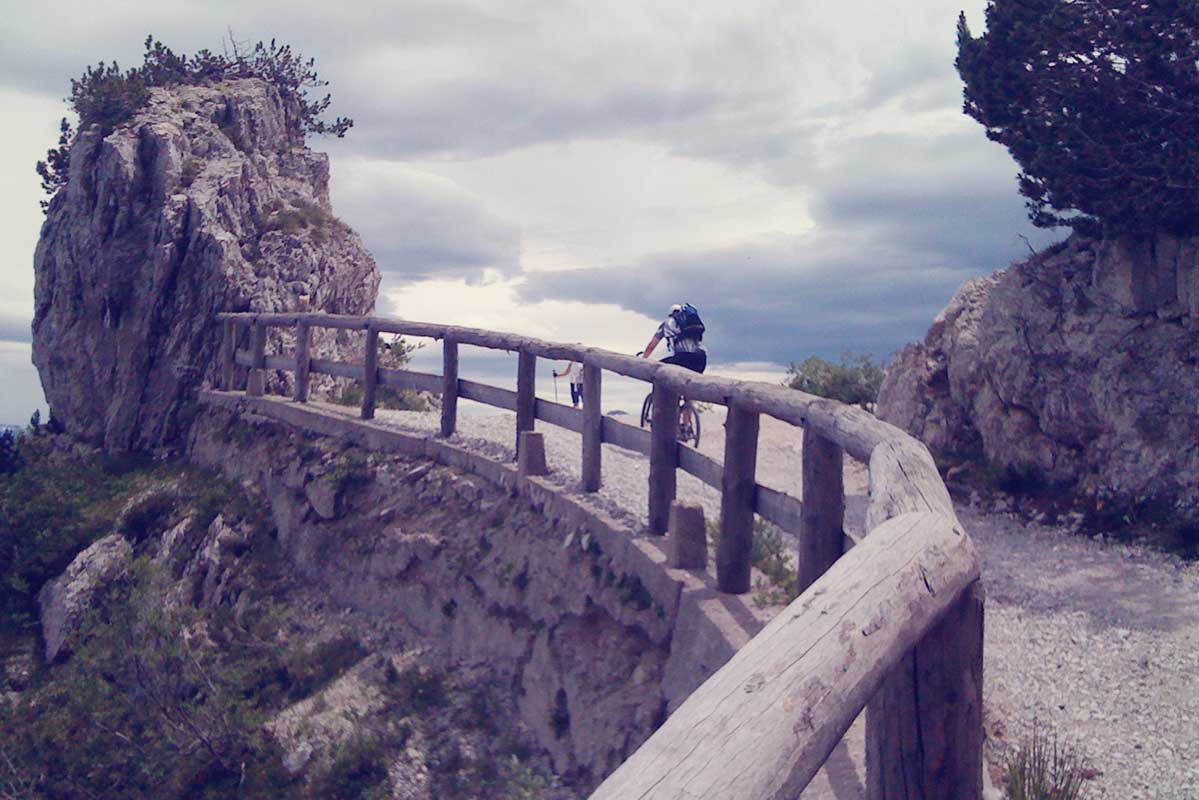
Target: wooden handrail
{"points": [[907, 595]]}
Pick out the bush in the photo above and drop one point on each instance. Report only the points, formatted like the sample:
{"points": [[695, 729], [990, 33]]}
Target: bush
{"points": [[856, 380], [106, 96], [148, 707]]}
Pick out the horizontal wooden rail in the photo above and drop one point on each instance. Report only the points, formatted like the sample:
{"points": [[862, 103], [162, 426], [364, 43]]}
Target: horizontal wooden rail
{"points": [[766, 721], [410, 381]]}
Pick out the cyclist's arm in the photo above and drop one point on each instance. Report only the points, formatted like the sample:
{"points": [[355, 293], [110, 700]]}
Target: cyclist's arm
{"points": [[649, 348]]}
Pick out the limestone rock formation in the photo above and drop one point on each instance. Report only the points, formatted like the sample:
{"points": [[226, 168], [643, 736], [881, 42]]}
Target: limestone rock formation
{"points": [[66, 601], [206, 201], [1080, 365]]}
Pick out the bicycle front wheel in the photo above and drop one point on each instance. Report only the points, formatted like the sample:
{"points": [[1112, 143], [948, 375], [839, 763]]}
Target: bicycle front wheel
{"points": [[647, 410]]}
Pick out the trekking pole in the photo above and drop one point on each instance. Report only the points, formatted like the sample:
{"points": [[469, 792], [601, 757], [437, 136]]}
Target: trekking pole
{"points": [[555, 387]]}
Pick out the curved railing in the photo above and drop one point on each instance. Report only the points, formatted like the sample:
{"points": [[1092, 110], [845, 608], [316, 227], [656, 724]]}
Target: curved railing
{"points": [[894, 624]]}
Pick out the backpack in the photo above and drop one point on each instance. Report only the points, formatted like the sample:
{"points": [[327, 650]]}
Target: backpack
{"points": [[690, 325]]}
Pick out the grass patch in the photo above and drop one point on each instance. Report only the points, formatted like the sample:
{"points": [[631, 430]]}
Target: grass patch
{"points": [[1045, 768]]}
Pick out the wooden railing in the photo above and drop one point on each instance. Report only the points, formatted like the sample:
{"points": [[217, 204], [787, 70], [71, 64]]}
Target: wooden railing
{"points": [[895, 624]]}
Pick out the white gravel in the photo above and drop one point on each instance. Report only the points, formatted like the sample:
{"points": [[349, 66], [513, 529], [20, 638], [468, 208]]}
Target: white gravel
{"points": [[1100, 641]]}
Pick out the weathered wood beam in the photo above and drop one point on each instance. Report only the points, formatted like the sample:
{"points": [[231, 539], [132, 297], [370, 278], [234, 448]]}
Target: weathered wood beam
{"points": [[228, 351], [663, 457], [924, 727], [821, 538], [370, 372], [256, 382], [735, 550], [526, 397], [303, 361], [449, 387], [593, 423], [763, 725]]}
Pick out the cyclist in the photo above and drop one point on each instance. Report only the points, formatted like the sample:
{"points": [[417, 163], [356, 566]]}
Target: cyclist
{"points": [[686, 348]]}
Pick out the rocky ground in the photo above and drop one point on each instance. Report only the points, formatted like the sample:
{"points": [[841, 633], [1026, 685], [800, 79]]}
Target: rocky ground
{"points": [[1097, 640]]}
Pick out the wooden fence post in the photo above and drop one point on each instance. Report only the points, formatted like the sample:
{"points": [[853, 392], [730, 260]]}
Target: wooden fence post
{"points": [[593, 421], [663, 457], [526, 397], [370, 377], [256, 381], [228, 354], [734, 552], [303, 361], [924, 726], [449, 387], [822, 518]]}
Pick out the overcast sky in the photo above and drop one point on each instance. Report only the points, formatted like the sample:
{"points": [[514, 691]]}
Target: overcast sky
{"points": [[799, 170]]}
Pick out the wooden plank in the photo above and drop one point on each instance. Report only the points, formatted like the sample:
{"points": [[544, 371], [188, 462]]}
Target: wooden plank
{"points": [[924, 727], [693, 462], [281, 362], [256, 382], [779, 508], [763, 725], [449, 387], [228, 353], [630, 366], [904, 478], [303, 361], [558, 414], [735, 550], [823, 516], [593, 432], [406, 380], [327, 366], [663, 457], [370, 373], [622, 434], [526, 398], [490, 395], [244, 358]]}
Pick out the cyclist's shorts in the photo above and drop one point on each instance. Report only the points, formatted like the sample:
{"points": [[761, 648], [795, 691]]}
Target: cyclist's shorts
{"points": [[696, 362]]}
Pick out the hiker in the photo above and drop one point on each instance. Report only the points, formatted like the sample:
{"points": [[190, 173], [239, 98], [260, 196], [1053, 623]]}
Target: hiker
{"points": [[683, 330], [575, 371]]}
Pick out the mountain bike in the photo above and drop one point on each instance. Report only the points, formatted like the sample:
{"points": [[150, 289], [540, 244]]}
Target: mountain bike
{"points": [[688, 432]]}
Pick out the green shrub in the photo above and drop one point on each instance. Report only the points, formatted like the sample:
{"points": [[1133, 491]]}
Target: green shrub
{"points": [[106, 96], [1044, 768], [769, 556], [147, 707], [856, 380]]}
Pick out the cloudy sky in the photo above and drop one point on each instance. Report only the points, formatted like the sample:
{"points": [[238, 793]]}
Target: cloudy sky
{"points": [[799, 170]]}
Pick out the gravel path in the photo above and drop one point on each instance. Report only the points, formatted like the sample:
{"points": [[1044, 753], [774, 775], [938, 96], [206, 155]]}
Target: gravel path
{"points": [[1100, 641]]}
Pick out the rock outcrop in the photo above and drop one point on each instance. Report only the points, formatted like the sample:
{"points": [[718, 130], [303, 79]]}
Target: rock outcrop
{"points": [[1079, 366], [67, 600], [206, 201]]}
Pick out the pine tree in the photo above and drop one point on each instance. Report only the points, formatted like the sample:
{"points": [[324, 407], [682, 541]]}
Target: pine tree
{"points": [[1098, 102]]}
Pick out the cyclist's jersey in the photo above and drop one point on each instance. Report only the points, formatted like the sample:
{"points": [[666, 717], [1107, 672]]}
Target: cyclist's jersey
{"points": [[670, 331]]}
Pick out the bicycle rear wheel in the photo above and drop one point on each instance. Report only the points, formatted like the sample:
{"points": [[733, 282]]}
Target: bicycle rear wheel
{"points": [[647, 410]]}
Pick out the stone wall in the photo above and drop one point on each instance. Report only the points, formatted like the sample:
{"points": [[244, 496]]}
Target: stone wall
{"points": [[596, 637]]}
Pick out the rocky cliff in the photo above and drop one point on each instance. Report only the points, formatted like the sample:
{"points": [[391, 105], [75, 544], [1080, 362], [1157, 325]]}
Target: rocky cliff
{"points": [[1079, 367], [207, 201]]}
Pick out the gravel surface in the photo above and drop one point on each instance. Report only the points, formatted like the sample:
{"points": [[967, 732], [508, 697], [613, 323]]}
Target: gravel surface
{"points": [[1099, 641]]}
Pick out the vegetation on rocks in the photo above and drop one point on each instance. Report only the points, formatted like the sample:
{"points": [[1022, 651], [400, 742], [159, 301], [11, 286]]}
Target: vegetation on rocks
{"points": [[855, 380], [107, 96], [1099, 104]]}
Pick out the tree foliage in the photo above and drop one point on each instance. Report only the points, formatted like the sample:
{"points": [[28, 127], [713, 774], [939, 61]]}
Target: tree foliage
{"points": [[1098, 102], [106, 96], [856, 380]]}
